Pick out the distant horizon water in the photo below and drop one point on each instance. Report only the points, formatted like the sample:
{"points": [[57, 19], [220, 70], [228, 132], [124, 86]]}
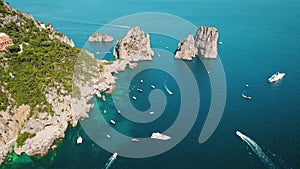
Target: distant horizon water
{"points": [[259, 39]]}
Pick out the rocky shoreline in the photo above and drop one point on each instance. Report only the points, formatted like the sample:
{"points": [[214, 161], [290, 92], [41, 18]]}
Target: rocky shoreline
{"points": [[69, 109], [37, 130]]}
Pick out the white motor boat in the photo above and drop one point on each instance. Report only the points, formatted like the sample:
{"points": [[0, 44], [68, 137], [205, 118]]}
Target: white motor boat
{"points": [[112, 122], [160, 136], [114, 156], [276, 77], [79, 140]]}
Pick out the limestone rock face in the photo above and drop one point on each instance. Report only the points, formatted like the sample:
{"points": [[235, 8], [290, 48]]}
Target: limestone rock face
{"points": [[134, 46], [206, 42], [186, 49], [100, 37]]}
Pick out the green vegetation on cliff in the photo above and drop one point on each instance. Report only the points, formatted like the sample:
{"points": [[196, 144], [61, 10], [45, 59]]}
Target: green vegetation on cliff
{"points": [[23, 137], [44, 63]]}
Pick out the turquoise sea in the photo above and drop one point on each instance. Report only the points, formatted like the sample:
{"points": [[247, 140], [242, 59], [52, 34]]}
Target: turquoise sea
{"points": [[259, 38]]}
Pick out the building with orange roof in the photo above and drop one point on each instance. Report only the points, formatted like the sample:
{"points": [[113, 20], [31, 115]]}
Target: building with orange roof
{"points": [[5, 41]]}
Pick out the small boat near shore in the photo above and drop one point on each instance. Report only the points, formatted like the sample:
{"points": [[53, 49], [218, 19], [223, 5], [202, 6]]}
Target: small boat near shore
{"points": [[79, 140], [135, 140], [112, 122], [276, 77]]}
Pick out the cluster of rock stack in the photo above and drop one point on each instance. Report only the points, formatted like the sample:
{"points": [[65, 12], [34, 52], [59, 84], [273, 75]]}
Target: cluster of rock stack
{"points": [[203, 44], [100, 37]]}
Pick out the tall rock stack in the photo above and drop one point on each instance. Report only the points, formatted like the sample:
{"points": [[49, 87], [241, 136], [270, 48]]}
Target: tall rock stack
{"points": [[206, 42]]}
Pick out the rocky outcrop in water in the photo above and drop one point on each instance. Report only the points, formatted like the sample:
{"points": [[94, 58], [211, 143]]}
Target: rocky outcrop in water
{"points": [[186, 49], [134, 46], [100, 37], [204, 44]]}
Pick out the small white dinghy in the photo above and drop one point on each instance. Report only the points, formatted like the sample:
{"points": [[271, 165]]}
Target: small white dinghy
{"points": [[79, 140], [112, 122]]}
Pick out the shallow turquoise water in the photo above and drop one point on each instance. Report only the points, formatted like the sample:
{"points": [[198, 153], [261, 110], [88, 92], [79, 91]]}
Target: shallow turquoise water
{"points": [[259, 38]]}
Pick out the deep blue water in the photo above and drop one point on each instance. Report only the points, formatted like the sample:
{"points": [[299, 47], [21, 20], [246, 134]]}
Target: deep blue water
{"points": [[259, 38]]}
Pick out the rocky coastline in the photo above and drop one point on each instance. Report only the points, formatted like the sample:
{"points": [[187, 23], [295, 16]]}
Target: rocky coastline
{"points": [[69, 108], [35, 129]]}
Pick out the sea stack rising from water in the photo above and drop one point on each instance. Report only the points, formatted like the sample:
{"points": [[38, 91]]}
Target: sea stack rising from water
{"points": [[186, 49], [134, 46], [100, 37], [204, 44]]}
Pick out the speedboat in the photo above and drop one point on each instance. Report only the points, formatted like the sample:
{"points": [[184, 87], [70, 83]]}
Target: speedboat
{"points": [[276, 77], [114, 156], [160, 136], [112, 122], [246, 97]]}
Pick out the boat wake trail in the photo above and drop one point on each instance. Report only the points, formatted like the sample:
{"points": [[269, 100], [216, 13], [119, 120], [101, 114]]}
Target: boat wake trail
{"points": [[167, 89], [110, 161], [257, 150]]}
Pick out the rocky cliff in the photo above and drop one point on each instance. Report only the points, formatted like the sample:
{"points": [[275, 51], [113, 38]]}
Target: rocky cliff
{"points": [[134, 46], [35, 98], [100, 37], [203, 44]]}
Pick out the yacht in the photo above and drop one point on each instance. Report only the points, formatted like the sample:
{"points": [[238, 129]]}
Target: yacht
{"points": [[276, 77], [160, 136]]}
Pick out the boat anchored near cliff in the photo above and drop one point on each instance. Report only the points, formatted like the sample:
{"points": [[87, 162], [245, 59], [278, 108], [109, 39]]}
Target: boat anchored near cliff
{"points": [[276, 77]]}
